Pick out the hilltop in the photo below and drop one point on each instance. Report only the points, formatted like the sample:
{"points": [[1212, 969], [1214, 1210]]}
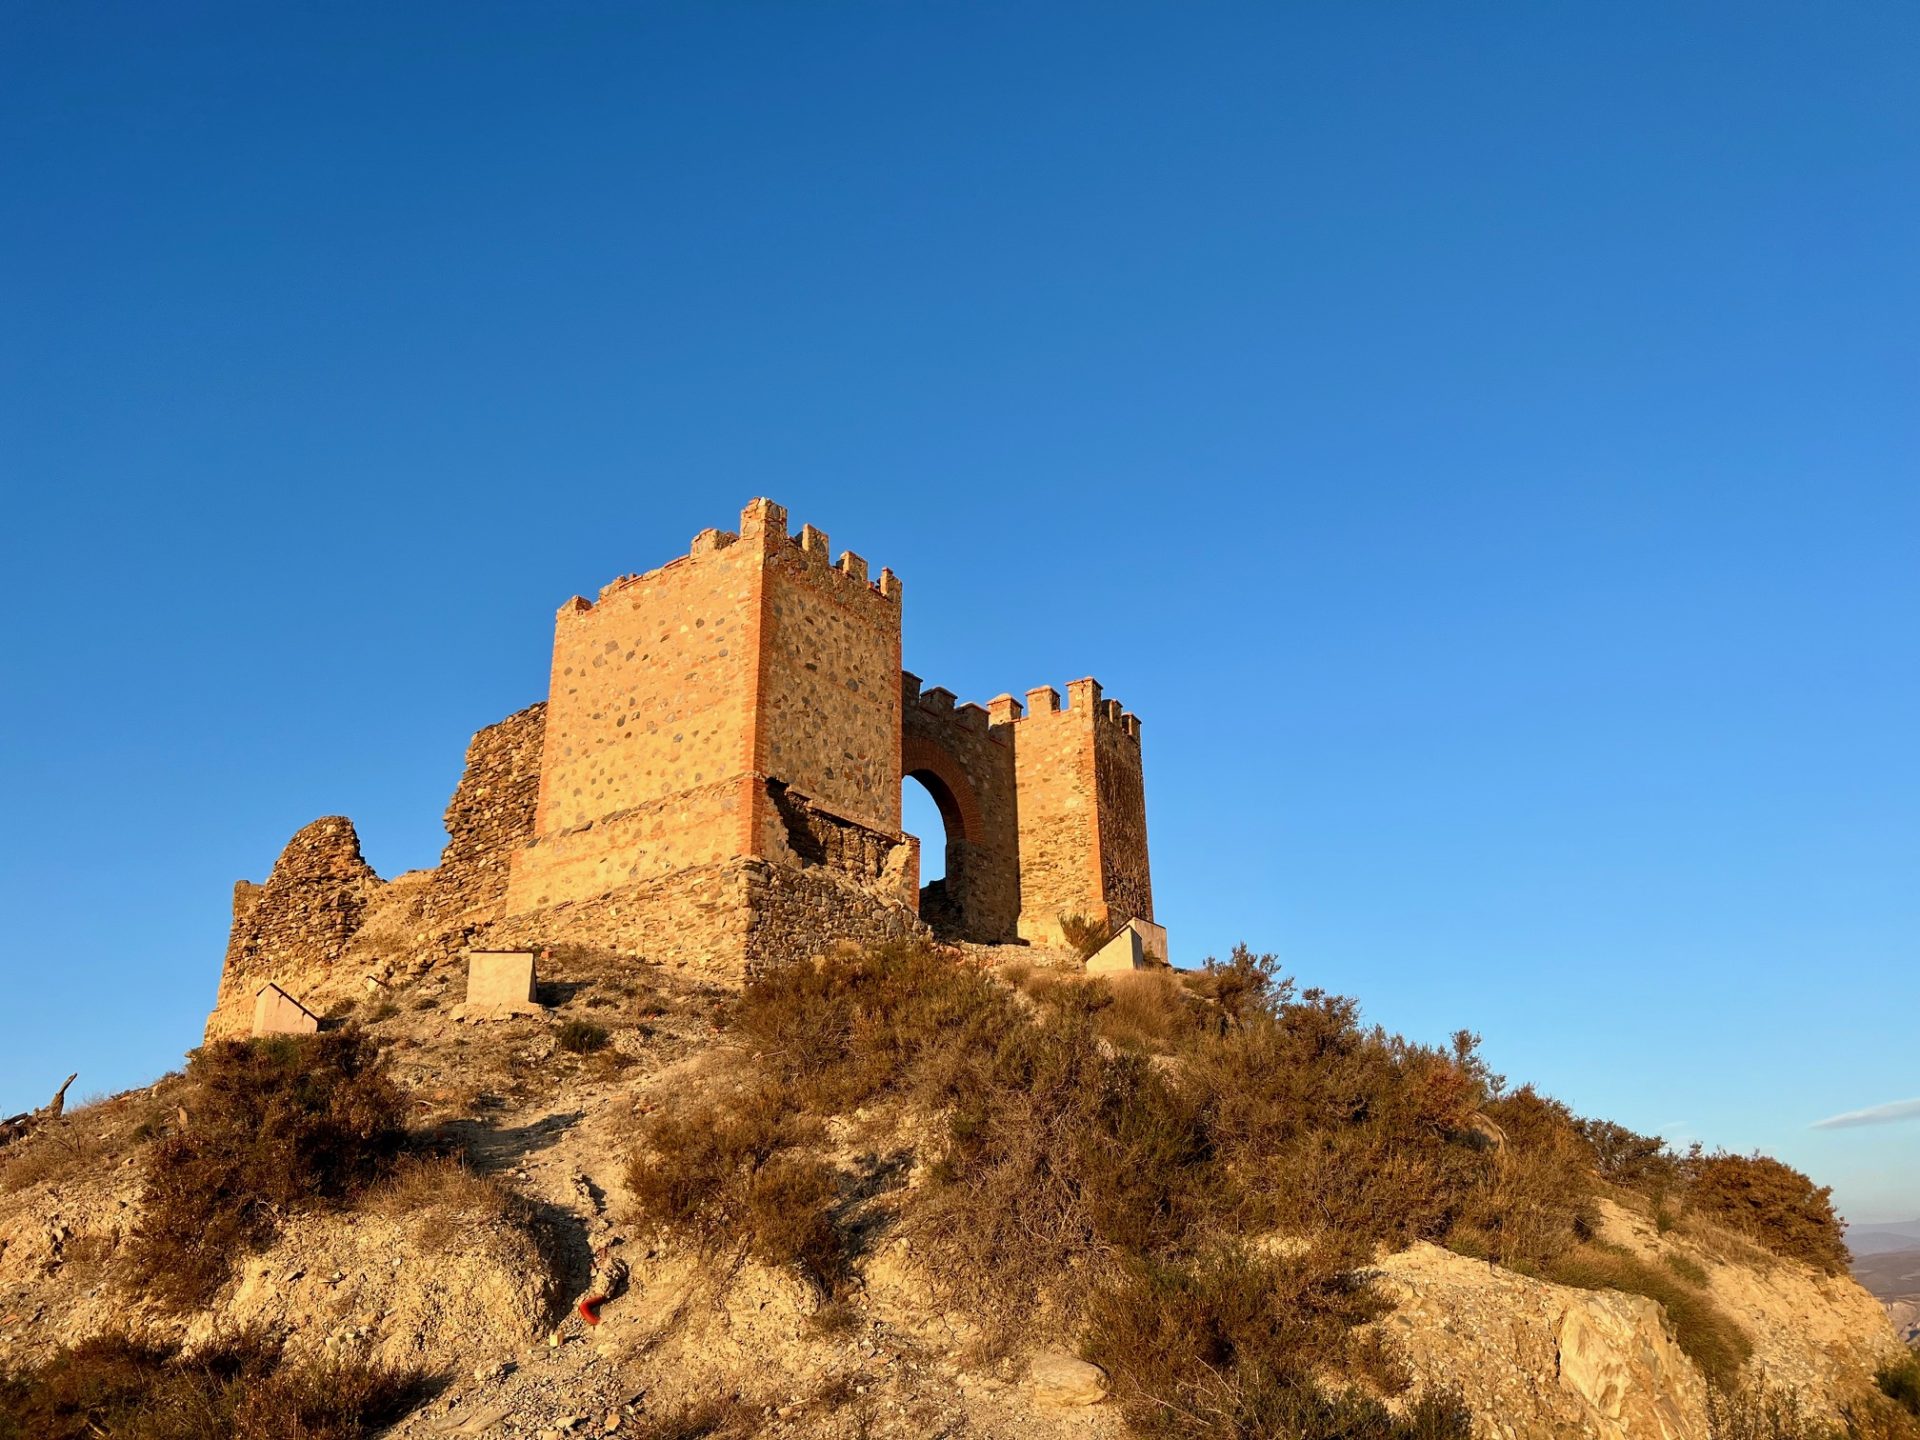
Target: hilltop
{"points": [[911, 1191]]}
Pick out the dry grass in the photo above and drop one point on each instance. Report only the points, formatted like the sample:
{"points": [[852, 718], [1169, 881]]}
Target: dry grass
{"points": [[274, 1124], [89, 1137], [719, 1419], [239, 1390], [435, 1189]]}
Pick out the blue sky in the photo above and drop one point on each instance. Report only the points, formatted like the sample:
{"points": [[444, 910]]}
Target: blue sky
{"points": [[1479, 441]]}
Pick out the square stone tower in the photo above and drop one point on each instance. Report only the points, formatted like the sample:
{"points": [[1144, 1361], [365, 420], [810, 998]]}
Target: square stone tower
{"points": [[741, 702]]}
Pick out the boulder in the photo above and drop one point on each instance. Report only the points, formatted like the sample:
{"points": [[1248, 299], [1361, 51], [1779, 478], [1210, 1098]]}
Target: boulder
{"points": [[1059, 1379]]}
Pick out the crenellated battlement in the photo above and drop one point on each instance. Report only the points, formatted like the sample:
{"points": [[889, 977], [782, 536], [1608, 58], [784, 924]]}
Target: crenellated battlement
{"points": [[763, 524], [1084, 697]]}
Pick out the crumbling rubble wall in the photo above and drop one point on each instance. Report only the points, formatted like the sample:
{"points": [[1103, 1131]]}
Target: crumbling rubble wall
{"points": [[490, 815], [298, 923]]}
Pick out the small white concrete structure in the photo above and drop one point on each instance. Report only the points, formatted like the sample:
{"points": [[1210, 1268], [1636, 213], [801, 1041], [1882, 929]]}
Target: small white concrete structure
{"points": [[1140, 945], [275, 1012], [500, 984]]}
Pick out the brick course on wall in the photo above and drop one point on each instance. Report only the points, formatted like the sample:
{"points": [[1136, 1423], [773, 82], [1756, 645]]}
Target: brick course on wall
{"points": [[714, 781]]}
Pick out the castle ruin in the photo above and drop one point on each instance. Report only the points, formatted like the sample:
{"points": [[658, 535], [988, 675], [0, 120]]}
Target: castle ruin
{"points": [[714, 781]]}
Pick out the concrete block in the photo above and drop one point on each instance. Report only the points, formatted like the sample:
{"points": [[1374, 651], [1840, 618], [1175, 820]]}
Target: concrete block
{"points": [[1139, 945], [500, 977], [1153, 939], [500, 984], [275, 1012], [1123, 952]]}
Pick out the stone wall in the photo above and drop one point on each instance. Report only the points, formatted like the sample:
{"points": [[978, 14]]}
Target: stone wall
{"points": [[797, 914], [298, 923], [828, 697], [491, 814], [1082, 812], [1126, 885], [964, 757]]}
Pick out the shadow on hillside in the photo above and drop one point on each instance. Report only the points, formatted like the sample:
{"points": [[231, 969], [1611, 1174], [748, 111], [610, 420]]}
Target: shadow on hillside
{"points": [[492, 1149]]}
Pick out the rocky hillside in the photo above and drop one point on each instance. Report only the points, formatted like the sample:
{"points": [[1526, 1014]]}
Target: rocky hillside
{"points": [[915, 1193]]}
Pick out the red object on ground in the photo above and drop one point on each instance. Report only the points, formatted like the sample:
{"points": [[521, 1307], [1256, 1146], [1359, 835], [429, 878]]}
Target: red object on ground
{"points": [[590, 1308]]}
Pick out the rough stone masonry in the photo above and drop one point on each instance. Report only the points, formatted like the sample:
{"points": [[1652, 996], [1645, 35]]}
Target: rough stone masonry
{"points": [[714, 780]]}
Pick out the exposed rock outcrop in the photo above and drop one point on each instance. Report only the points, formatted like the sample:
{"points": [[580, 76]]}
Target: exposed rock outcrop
{"points": [[1540, 1360]]}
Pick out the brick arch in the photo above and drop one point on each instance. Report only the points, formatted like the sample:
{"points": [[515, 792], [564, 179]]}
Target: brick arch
{"points": [[946, 781]]}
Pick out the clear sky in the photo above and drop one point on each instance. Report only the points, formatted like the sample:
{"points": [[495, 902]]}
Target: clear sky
{"points": [[1480, 441]]}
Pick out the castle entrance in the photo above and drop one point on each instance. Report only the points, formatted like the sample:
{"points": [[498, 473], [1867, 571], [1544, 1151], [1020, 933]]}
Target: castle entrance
{"points": [[930, 812]]}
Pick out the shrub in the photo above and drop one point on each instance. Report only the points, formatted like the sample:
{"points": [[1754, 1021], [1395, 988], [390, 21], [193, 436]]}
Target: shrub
{"points": [[1774, 1203], [1639, 1162], [1900, 1382], [1232, 1344], [277, 1123], [726, 1172], [1083, 934], [1058, 1151], [580, 1037], [1145, 1010], [1707, 1334], [241, 1389], [718, 1419], [837, 1033], [1245, 985]]}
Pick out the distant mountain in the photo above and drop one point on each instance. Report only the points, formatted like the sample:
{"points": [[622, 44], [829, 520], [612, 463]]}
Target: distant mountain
{"points": [[1884, 1238]]}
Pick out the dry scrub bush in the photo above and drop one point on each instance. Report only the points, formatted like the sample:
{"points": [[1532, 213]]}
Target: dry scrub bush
{"points": [[241, 1389], [1755, 1196], [727, 1173], [1078, 1171], [274, 1124], [1710, 1337], [580, 1037], [442, 1201], [838, 1033], [1100, 1142], [720, 1419], [1774, 1203], [1149, 1011], [1230, 1343], [1900, 1382]]}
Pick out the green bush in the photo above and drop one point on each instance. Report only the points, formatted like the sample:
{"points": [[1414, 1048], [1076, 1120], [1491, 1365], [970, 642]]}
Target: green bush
{"points": [[274, 1124]]}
